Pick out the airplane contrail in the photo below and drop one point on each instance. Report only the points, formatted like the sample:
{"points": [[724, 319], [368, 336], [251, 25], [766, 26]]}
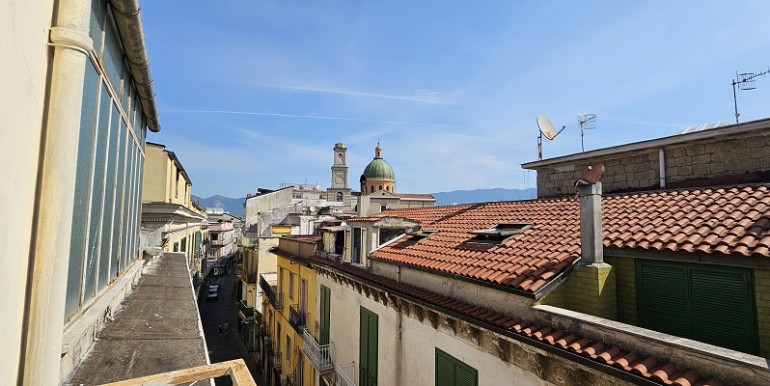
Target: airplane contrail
{"points": [[281, 115]]}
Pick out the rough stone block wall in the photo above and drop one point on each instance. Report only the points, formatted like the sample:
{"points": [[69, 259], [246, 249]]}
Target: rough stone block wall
{"points": [[723, 161], [729, 157], [591, 290], [625, 282], [762, 299], [622, 172]]}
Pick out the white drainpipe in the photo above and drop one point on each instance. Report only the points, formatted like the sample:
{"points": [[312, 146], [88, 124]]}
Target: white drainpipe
{"points": [[44, 316], [662, 165]]}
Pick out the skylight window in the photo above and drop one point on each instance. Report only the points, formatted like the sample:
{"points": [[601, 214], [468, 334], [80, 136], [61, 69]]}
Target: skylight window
{"points": [[498, 233], [423, 233]]}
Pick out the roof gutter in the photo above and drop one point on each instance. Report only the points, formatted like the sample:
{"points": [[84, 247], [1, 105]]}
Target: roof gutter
{"points": [[129, 24]]}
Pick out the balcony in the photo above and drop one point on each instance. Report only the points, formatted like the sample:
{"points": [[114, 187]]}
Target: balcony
{"points": [[275, 298], [319, 355], [341, 376], [276, 359], [245, 312], [297, 318], [249, 278]]}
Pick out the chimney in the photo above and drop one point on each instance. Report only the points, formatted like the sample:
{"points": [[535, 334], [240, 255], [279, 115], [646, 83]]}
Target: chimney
{"points": [[589, 188]]}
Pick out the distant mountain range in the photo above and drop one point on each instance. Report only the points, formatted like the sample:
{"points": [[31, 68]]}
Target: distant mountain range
{"points": [[484, 195], [235, 207]]}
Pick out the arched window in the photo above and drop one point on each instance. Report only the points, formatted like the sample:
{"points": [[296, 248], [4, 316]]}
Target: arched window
{"points": [[339, 196], [372, 189], [380, 187], [387, 187]]}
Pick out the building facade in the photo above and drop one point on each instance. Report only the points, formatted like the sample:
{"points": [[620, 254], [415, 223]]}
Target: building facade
{"points": [[171, 222], [79, 115]]}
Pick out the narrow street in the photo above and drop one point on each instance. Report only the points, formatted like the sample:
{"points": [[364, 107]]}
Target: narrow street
{"points": [[225, 346]]}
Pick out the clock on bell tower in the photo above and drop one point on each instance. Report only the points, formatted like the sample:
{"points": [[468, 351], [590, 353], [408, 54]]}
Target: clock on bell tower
{"points": [[339, 168]]}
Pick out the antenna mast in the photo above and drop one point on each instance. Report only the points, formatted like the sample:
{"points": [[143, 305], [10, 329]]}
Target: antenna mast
{"points": [[586, 122], [745, 81]]}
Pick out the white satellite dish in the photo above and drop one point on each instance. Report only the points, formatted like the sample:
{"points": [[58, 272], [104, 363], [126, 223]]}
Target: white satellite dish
{"points": [[547, 130], [546, 127]]}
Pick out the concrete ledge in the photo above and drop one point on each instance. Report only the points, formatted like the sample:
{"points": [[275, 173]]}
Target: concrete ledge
{"points": [[80, 332], [734, 367]]}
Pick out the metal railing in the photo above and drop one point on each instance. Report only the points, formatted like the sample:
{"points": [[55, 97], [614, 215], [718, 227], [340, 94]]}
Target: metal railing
{"points": [[235, 369], [319, 355], [246, 312], [297, 318], [275, 298], [341, 377], [277, 360]]}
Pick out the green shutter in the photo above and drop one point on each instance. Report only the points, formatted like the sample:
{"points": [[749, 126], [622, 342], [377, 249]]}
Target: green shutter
{"points": [[723, 308], [451, 371], [711, 304], [325, 303], [368, 349], [663, 293]]}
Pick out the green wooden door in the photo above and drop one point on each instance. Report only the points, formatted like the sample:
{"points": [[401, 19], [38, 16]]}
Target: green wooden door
{"points": [[367, 374], [450, 371], [711, 304], [323, 337]]}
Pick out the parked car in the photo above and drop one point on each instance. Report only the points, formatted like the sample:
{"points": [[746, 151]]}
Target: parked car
{"points": [[214, 285], [213, 294]]}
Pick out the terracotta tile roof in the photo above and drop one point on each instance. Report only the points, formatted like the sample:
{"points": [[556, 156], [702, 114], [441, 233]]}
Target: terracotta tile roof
{"points": [[647, 367], [416, 196], [732, 220]]}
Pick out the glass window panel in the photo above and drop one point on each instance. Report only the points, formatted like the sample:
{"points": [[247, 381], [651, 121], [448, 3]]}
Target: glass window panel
{"points": [[113, 56], [100, 164], [118, 235], [129, 210], [82, 182], [108, 249], [95, 28], [127, 88], [137, 203]]}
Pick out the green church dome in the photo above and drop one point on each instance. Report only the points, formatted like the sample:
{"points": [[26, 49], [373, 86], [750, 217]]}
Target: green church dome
{"points": [[378, 168]]}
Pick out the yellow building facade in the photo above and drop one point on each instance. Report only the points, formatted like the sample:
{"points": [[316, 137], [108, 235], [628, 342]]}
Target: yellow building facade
{"points": [[171, 222], [290, 313]]}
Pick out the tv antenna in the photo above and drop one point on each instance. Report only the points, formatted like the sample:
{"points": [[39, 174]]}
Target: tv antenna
{"points": [[586, 122], [745, 81], [546, 129]]}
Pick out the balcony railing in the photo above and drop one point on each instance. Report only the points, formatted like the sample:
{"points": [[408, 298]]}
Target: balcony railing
{"points": [[319, 355], [274, 298], [297, 318], [341, 376], [246, 312], [276, 359]]}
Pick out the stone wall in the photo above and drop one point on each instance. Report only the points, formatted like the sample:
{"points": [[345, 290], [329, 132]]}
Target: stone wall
{"points": [[718, 161]]}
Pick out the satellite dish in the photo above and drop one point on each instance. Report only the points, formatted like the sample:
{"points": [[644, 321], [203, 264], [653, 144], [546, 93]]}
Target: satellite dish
{"points": [[546, 130], [546, 127]]}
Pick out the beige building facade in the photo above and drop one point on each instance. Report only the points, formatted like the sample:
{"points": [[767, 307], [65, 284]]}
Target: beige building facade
{"points": [[76, 108], [171, 222]]}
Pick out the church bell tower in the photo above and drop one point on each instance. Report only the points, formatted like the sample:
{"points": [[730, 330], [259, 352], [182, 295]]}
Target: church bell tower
{"points": [[339, 190]]}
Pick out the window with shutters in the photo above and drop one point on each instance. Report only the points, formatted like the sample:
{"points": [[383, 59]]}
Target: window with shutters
{"points": [[711, 304], [451, 371], [367, 374], [323, 336]]}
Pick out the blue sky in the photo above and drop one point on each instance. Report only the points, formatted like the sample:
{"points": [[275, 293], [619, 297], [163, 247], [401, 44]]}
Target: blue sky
{"points": [[255, 93]]}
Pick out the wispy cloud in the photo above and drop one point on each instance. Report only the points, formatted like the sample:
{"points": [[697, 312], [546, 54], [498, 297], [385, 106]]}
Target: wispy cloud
{"points": [[420, 96], [300, 116]]}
